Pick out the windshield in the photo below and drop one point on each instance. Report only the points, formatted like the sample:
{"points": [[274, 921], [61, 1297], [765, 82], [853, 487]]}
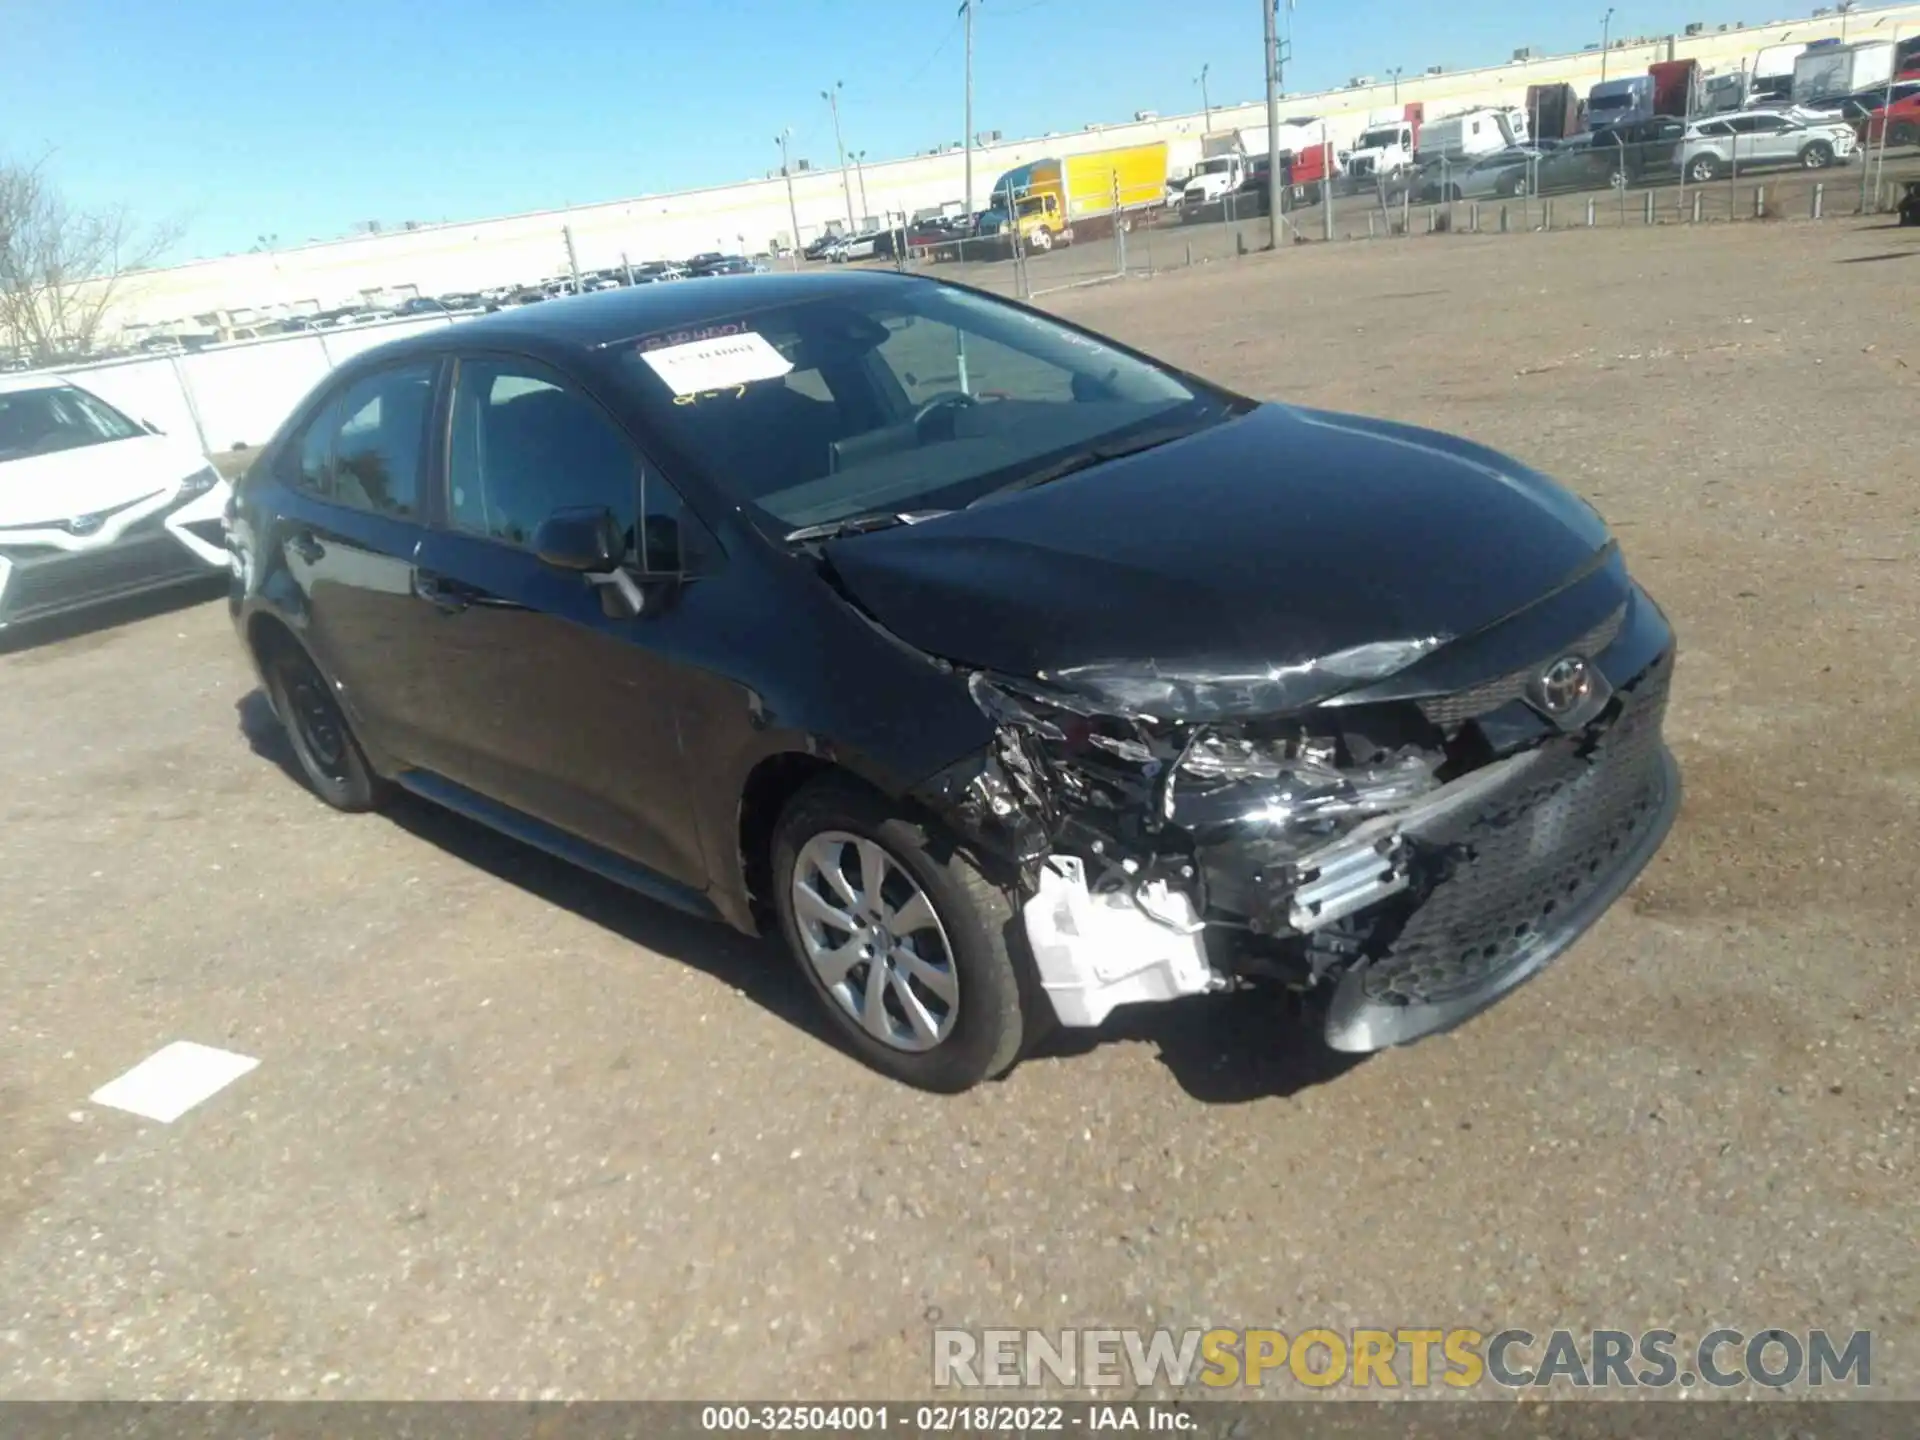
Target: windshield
{"points": [[1611, 102], [1219, 165], [1379, 139], [39, 422], [907, 396]]}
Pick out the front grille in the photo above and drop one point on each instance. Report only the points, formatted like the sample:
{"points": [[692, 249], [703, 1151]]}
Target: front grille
{"points": [[1483, 699], [50, 580], [1526, 858], [89, 524], [1358, 168]]}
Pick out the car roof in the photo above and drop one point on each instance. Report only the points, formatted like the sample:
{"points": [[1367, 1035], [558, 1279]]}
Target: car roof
{"points": [[608, 317]]}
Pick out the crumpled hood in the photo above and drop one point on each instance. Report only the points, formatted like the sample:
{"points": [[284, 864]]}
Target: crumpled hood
{"points": [[1270, 540], [42, 489]]}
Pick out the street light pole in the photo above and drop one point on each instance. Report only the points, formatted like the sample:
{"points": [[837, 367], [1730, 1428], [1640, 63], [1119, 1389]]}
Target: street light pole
{"points": [[1396, 73], [1206, 104], [1845, 7], [1606, 28], [860, 174], [793, 212], [1273, 123], [832, 97], [966, 10]]}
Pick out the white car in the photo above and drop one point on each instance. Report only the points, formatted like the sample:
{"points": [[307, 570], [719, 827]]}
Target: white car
{"points": [[1756, 139], [94, 506], [853, 247]]}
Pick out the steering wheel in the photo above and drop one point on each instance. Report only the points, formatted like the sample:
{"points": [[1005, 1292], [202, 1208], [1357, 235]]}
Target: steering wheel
{"points": [[945, 400]]}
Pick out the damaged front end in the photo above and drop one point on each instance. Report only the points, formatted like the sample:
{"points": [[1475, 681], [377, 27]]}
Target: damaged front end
{"points": [[1408, 859]]}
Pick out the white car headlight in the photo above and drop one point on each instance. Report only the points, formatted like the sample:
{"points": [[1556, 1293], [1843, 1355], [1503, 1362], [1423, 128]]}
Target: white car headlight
{"points": [[198, 483]]}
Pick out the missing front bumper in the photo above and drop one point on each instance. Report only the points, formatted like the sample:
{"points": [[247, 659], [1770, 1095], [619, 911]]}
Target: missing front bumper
{"points": [[1442, 973], [1453, 901]]}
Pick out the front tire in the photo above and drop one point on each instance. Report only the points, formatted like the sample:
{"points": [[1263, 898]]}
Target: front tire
{"points": [[1817, 156], [901, 938], [1042, 240], [317, 729], [1703, 169]]}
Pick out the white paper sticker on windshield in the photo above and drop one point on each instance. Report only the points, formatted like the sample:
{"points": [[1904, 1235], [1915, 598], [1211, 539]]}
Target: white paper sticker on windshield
{"points": [[720, 363]]}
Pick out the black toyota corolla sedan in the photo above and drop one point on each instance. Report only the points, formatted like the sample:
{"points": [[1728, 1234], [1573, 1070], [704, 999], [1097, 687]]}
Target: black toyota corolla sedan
{"points": [[1011, 675]]}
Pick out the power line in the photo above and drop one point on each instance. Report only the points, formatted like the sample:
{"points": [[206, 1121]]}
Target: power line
{"points": [[938, 50]]}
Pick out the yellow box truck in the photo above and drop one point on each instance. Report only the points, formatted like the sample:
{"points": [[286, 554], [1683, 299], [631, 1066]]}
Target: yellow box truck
{"points": [[1045, 200]]}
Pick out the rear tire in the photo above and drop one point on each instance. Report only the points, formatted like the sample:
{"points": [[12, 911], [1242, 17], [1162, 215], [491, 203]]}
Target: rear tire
{"points": [[323, 742], [1904, 134], [953, 1004]]}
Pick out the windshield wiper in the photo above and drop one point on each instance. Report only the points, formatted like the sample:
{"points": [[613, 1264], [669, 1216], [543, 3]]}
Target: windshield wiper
{"points": [[1094, 455], [861, 523]]}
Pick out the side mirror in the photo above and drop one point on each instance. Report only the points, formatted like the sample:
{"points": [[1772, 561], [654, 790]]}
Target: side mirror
{"points": [[586, 540]]}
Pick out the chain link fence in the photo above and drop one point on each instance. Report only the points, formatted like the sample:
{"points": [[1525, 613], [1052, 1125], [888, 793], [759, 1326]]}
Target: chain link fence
{"points": [[1582, 187]]}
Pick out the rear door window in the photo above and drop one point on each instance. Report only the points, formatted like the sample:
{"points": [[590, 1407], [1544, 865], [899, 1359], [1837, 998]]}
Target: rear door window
{"points": [[379, 450], [366, 447]]}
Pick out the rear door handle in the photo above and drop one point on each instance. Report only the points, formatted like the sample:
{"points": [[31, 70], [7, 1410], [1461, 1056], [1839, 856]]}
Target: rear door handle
{"points": [[443, 595]]}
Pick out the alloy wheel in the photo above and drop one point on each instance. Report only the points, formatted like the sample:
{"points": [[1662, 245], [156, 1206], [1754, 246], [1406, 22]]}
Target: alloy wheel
{"points": [[875, 941]]}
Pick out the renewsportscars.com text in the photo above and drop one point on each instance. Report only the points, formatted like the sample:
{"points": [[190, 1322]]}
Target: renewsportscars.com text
{"points": [[1404, 1358]]}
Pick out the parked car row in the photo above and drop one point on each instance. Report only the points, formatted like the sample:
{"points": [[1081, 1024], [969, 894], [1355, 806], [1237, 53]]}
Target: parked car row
{"points": [[618, 277], [1650, 151], [884, 242]]}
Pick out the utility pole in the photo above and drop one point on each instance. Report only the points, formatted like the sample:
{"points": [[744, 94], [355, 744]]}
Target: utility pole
{"points": [[1845, 7], [860, 174], [1273, 122], [1396, 72], [966, 10], [793, 212], [1606, 29], [832, 97], [1206, 105]]}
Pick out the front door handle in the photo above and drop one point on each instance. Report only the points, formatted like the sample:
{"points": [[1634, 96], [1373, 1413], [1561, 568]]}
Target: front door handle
{"points": [[437, 592], [304, 547]]}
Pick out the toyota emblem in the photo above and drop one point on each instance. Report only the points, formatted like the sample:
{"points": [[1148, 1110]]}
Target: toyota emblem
{"points": [[85, 524], [1565, 685]]}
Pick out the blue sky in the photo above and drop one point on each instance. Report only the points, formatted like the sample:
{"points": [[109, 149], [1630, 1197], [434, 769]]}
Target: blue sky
{"points": [[236, 119]]}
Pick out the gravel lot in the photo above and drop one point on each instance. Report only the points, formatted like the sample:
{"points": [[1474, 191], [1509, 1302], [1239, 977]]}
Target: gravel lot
{"points": [[515, 1133]]}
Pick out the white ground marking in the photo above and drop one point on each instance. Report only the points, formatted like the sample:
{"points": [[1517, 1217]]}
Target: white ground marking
{"points": [[173, 1080]]}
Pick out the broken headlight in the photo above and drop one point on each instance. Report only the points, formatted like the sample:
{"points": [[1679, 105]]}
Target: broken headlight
{"points": [[1202, 693], [1292, 782], [1298, 784]]}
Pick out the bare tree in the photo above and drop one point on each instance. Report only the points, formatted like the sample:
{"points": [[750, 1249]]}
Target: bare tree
{"points": [[60, 265]]}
